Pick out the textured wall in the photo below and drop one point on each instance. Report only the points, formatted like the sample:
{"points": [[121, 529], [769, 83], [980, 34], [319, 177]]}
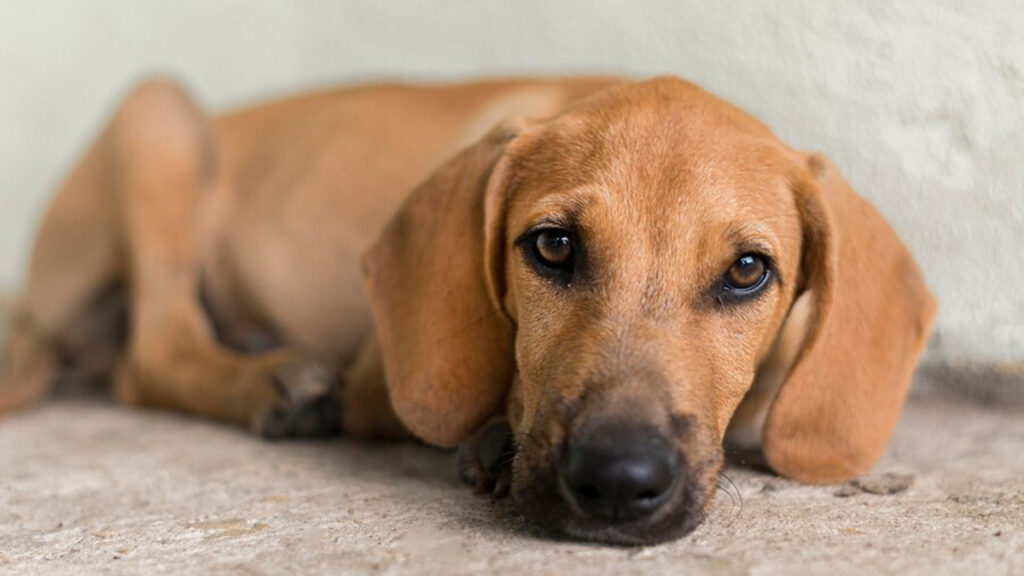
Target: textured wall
{"points": [[920, 102]]}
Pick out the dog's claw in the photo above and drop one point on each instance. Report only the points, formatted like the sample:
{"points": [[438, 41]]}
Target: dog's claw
{"points": [[485, 459], [308, 403]]}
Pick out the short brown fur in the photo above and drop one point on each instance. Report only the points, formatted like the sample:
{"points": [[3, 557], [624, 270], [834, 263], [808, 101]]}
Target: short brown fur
{"points": [[232, 247]]}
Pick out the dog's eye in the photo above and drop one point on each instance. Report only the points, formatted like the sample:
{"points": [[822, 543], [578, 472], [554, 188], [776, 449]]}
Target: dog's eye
{"points": [[748, 274], [552, 253], [553, 248]]}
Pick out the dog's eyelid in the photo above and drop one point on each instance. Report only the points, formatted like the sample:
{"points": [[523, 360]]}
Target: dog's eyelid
{"points": [[558, 222], [547, 223], [759, 247], [753, 237]]}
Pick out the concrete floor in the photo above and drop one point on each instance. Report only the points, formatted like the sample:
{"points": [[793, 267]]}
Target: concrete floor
{"points": [[86, 487]]}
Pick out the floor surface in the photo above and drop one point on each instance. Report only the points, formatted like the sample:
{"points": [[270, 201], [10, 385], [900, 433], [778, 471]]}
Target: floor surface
{"points": [[87, 487]]}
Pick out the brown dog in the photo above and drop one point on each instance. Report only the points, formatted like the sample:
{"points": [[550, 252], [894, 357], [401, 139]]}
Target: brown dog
{"points": [[603, 277]]}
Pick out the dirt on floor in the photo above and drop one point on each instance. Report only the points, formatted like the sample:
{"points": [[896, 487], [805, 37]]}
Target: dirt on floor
{"points": [[87, 487]]}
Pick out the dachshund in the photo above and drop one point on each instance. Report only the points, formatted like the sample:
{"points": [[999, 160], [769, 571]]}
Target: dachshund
{"points": [[590, 284]]}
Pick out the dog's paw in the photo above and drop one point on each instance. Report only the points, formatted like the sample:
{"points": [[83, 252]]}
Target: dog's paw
{"points": [[307, 403], [485, 459]]}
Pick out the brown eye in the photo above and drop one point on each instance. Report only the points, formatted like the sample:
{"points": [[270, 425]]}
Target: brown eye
{"points": [[747, 274], [554, 248]]}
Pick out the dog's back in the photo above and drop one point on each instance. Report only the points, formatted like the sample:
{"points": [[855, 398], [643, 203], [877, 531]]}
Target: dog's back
{"points": [[320, 176], [293, 192]]}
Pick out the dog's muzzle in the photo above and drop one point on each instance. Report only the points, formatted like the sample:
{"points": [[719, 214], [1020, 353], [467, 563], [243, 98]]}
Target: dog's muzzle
{"points": [[616, 481]]}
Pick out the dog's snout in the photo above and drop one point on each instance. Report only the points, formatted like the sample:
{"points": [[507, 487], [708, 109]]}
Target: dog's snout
{"points": [[618, 472]]}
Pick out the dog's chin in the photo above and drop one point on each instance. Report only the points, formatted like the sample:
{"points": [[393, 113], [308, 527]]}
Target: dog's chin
{"points": [[540, 500]]}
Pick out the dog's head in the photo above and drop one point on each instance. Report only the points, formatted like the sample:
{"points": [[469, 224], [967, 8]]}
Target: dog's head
{"points": [[613, 278]]}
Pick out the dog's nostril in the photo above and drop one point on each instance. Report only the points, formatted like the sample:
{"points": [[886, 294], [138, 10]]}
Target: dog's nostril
{"points": [[618, 472], [647, 495], [588, 491]]}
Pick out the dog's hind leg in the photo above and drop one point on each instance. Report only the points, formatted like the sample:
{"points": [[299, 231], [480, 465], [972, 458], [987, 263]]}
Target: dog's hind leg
{"points": [[167, 168], [114, 285], [28, 365], [69, 317]]}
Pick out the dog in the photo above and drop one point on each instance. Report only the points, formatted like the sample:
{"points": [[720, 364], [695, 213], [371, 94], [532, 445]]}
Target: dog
{"points": [[589, 284]]}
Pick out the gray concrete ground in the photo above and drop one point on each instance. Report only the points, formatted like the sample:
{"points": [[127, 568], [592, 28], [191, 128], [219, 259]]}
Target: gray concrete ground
{"points": [[87, 487]]}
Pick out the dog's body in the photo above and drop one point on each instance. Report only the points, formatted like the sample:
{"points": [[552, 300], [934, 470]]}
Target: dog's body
{"points": [[565, 274]]}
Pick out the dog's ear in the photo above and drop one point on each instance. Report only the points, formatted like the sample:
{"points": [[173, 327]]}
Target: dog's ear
{"points": [[872, 314], [434, 279]]}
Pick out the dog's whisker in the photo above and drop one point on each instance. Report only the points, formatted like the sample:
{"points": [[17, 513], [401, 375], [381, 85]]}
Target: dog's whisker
{"points": [[739, 496]]}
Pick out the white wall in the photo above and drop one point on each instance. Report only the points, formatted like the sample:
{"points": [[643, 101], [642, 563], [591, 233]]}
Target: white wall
{"points": [[921, 101]]}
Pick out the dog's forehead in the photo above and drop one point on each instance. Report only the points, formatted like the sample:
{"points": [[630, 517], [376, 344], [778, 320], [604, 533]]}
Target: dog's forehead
{"points": [[661, 136], [664, 155], [663, 112]]}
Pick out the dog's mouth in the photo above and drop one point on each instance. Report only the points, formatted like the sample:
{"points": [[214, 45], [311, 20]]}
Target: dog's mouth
{"points": [[553, 502]]}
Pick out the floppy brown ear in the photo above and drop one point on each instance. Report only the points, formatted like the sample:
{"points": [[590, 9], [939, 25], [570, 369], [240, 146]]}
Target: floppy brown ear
{"points": [[872, 314], [433, 279]]}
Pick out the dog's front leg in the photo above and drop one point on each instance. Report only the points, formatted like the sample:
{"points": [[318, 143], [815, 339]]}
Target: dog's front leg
{"points": [[485, 458], [366, 405]]}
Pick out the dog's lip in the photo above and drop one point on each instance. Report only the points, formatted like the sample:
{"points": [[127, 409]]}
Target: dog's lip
{"points": [[660, 526]]}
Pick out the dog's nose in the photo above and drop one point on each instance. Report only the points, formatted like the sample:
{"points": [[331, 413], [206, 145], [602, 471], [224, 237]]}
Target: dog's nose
{"points": [[618, 472]]}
